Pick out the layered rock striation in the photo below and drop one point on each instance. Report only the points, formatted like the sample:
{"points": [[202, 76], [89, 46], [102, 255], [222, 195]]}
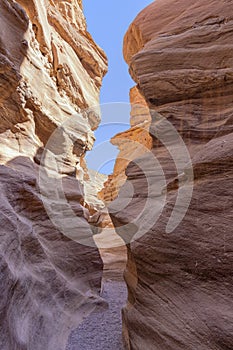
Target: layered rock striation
{"points": [[50, 76], [179, 276]]}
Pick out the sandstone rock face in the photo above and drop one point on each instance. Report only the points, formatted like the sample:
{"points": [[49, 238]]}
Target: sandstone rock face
{"points": [[50, 76], [180, 281]]}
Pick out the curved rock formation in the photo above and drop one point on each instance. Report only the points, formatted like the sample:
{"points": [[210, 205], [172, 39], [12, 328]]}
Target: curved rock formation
{"points": [[50, 76], [180, 281]]}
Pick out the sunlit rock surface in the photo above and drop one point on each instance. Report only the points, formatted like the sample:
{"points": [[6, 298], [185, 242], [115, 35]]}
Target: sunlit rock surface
{"points": [[180, 279], [131, 143], [50, 76]]}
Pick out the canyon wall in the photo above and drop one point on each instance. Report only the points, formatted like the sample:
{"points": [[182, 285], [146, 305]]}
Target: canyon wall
{"points": [[50, 75], [175, 210]]}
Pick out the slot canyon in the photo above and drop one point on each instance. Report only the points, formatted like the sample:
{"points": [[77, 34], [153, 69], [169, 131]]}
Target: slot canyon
{"points": [[140, 259]]}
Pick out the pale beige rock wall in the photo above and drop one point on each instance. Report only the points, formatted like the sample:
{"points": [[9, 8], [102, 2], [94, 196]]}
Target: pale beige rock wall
{"points": [[51, 69]]}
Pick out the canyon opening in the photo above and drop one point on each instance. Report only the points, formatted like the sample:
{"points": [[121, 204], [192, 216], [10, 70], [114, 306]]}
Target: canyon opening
{"points": [[116, 249]]}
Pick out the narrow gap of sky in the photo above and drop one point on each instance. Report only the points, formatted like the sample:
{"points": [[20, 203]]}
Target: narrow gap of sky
{"points": [[107, 22]]}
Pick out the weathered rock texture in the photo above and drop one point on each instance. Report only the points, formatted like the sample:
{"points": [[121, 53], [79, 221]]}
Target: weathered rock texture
{"points": [[50, 73], [180, 283]]}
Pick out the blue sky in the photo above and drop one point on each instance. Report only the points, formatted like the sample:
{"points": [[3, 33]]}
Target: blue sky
{"points": [[108, 21]]}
